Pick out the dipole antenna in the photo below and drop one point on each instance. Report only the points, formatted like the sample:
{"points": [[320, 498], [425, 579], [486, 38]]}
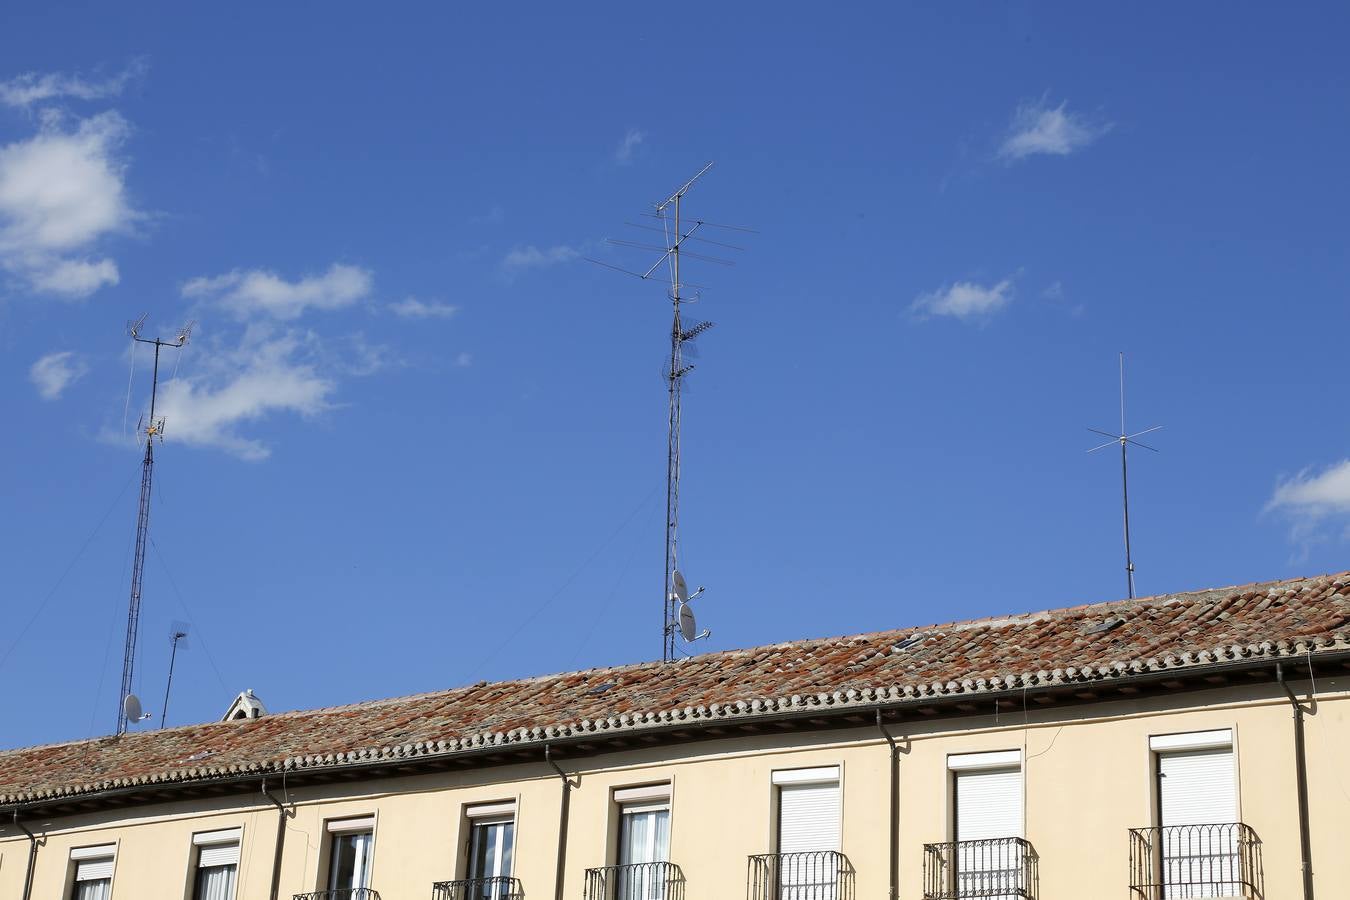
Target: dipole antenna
{"points": [[1124, 439], [677, 229], [128, 706]]}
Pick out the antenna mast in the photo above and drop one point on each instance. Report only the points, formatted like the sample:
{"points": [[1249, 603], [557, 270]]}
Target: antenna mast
{"points": [[1124, 439], [153, 428], [177, 633], [677, 229]]}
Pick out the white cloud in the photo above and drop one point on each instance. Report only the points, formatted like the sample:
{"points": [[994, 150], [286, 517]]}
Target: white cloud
{"points": [[633, 139], [464, 360], [75, 277], [1038, 127], [965, 300], [412, 308], [32, 87], [55, 372], [1314, 494], [259, 291], [270, 372], [60, 192], [532, 257]]}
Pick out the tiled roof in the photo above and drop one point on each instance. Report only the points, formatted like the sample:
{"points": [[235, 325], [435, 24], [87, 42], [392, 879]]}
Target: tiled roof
{"points": [[1083, 644]]}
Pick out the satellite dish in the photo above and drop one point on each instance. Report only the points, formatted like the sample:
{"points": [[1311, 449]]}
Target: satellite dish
{"points": [[131, 708], [679, 588], [688, 627]]}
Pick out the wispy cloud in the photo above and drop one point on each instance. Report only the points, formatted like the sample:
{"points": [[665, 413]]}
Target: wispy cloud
{"points": [[532, 257], [269, 372], [61, 191], [1312, 497], [632, 140], [964, 300], [464, 360], [412, 308], [258, 291], [35, 87], [55, 372], [1039, 128]]}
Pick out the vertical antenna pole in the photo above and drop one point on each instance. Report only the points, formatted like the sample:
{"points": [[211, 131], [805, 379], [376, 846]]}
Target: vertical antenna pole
{"points": [[1125, 483], [173, 654], [668, 623], [152, 429]]}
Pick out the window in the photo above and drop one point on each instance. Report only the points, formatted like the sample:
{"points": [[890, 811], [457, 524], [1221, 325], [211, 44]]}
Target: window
{"points": [[349, 853], [1197, 811], [987, 790], [492, 830], [644, 842], [217, 864], [808, 832], [93, 871]]}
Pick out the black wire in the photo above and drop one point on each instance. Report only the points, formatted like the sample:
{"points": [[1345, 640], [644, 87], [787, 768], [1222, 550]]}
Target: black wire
{"points": [[51, 593], [201, 637]]}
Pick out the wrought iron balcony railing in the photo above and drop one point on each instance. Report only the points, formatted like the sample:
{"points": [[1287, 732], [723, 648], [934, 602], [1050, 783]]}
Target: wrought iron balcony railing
{"points": [[1003, 868], [341, 894], [1183, 862], [495, 888], [636, 881], [812, 875]]}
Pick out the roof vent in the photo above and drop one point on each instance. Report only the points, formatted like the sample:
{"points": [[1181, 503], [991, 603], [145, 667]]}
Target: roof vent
{"points": [[245, 706], [601, 688], [904, 644]]}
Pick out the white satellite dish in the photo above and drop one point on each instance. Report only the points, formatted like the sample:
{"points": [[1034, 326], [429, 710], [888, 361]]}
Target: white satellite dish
{"points": [[688, 627], [131, 708], [679, 588]]}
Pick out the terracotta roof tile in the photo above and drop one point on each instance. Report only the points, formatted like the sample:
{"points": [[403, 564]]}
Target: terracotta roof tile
{"points": [[1296, 617]]}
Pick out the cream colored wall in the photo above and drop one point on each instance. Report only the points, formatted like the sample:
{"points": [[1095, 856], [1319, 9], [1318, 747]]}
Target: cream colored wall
{"points": [[1087, 773]]}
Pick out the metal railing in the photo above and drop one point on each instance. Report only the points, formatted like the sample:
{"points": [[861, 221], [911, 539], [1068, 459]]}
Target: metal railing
{"points": [[810, 875], [495, 888], [341, 894], [1183, 862], [635, 881], [993, 868]]}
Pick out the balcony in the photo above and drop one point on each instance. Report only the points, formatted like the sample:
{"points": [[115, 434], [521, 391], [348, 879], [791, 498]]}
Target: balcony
{"points": [[636, 881], [343, 894], [1002, 868], [812, 875], [1184, 862], [496, 888]]}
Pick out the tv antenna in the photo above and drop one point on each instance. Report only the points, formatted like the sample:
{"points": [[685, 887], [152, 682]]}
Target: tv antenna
{"points": [[677, 229], [127, 711], [1124, 439], [178, 633]]}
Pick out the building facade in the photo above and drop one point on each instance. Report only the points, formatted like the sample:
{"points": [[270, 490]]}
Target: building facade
{"points": [[1183, 746]]}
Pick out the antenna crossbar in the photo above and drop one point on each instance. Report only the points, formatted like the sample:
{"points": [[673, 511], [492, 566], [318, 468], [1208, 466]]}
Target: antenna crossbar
{"points": [[1124, 439]]}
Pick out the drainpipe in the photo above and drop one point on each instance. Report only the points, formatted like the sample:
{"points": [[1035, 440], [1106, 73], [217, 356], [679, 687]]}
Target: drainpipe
{"points": [[1301, 771], [32, 856], [562, 824], [894, 847], [281, 840]]}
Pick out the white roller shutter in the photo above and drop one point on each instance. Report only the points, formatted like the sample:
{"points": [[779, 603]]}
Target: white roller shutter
{"points": [[1197, 788], [94, 869], [988, 804], [808, 817], [218, 855]]}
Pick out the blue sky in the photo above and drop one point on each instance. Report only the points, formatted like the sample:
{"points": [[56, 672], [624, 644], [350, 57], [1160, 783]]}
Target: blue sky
{"points": [[417, 441]]}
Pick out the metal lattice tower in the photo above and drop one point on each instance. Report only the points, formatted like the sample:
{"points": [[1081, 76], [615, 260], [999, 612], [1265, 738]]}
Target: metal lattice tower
{"points": [[677, 229], [154, 428]]}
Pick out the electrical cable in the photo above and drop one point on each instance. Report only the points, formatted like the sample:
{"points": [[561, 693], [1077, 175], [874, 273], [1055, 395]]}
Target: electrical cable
{"points": [[51, 593], [200, 636], [557, 593]]}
